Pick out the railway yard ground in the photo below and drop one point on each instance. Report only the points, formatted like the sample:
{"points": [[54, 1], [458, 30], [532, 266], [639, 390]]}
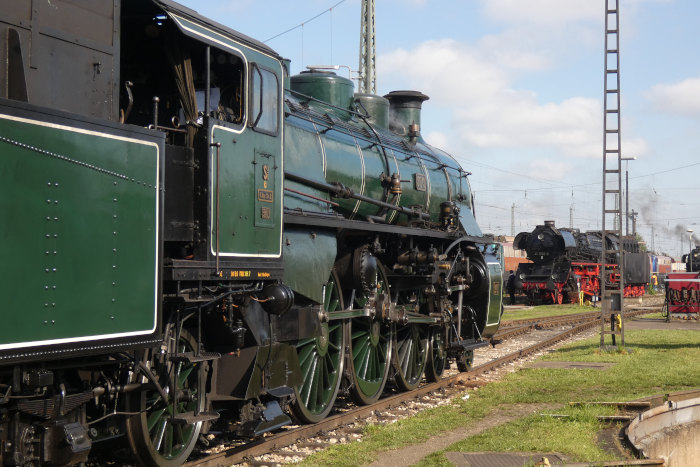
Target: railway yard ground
{"points": [[520, 413]]}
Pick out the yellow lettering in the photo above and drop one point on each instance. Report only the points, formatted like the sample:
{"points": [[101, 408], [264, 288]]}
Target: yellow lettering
{"points": [[240, 273]]}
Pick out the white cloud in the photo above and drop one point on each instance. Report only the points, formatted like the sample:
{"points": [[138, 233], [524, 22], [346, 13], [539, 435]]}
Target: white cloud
{"points": [[486, 110], [681, 98]]}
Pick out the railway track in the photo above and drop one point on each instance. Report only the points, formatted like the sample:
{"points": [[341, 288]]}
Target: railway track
{"points": [[345, 426], [568, 319]]}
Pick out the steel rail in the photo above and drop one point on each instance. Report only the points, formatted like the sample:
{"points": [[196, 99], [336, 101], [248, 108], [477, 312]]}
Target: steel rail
{"points": [[549, 321]]}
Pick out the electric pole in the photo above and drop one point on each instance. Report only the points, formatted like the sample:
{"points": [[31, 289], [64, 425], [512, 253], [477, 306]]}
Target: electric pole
{"points": [[612, 291], [368, 77], [571, 216]]}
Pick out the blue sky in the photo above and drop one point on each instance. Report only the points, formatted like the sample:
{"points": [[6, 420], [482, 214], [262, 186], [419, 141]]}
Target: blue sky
{"points": [[516, 90]]}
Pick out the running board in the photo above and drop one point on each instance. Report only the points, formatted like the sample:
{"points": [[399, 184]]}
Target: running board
{"points": [[469, 345]]}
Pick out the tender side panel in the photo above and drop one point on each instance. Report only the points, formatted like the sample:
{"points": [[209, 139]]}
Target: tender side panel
{"points": [[79, 236]]}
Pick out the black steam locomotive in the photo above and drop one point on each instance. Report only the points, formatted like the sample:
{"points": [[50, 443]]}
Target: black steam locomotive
{"points": [[194, 241], [566, 262], [692, 260]]}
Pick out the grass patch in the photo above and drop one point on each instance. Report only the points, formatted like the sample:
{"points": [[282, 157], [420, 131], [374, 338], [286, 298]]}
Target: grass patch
{"points": [[545, 311], [655, 315], [574, 436], [653, 362]]}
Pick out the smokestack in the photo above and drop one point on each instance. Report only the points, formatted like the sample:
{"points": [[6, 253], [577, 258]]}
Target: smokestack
{"points": [[404, 112]]}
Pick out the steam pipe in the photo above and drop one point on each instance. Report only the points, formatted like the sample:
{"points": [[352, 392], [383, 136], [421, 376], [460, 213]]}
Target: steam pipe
{"points": [[341, 191]]}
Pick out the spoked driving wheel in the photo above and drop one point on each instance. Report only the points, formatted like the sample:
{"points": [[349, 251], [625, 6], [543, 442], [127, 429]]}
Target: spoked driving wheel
{"points": [[369, 342], [321, 360], [437, 355], [410, 355], [156, 435]]}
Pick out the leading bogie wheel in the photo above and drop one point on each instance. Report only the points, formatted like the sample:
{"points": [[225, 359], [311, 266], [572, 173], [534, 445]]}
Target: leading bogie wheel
{"points": [[322, 361], [154, 435], [465, 360]]}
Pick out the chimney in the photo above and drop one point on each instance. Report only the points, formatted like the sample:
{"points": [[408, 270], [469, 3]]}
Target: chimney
{"points": [[404, 113]]}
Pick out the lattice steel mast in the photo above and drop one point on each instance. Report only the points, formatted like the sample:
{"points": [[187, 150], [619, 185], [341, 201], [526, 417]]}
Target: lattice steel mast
{"points": [[612, 292], [368, 77]]}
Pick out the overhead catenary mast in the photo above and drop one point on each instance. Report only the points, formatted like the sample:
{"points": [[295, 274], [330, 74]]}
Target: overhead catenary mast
{"points": [[612, 291], [368, 76]]}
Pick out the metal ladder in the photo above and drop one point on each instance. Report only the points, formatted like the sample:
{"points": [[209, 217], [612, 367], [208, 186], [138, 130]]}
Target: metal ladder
{"points": [[612, 292]]}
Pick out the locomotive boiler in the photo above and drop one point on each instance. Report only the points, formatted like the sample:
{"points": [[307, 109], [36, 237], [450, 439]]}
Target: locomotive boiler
{"points": [[195, 242], [566, 262]]}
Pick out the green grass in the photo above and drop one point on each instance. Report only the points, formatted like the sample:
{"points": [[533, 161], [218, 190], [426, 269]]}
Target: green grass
{"points": [[545, 310], [538, 433], [655, 315], [653, 362]]}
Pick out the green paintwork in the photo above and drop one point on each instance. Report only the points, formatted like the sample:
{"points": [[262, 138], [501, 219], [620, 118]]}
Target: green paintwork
{"points": [[343, 165], [250, 192], [303, 156], [376, 107], [326, 87], [250, 206], [374, 164], [409, 168], [76, 224], [430, 176], [309, 257]]}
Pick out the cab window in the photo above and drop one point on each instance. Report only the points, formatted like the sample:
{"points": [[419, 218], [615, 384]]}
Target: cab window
{"points": [[226, 87], [264, 100]]}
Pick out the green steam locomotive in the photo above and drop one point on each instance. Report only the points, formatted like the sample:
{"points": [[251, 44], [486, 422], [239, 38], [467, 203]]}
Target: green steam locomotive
{"points": [[193, 241]]}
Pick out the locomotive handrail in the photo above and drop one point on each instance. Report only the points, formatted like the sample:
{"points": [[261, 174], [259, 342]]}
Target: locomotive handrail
{"points": [[341, 191]]}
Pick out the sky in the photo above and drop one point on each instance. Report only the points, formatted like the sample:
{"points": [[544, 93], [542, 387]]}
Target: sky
{"points": [[516, 96]]}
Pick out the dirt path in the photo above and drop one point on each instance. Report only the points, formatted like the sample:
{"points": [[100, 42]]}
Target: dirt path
{"points": [[412, 454]]}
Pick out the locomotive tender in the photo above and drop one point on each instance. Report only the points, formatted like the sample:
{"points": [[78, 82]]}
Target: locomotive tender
{"points": [[566, 261], [195, 242]]}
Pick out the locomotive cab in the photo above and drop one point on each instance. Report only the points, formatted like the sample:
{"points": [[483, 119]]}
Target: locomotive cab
{"points": [[219, 103]]}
